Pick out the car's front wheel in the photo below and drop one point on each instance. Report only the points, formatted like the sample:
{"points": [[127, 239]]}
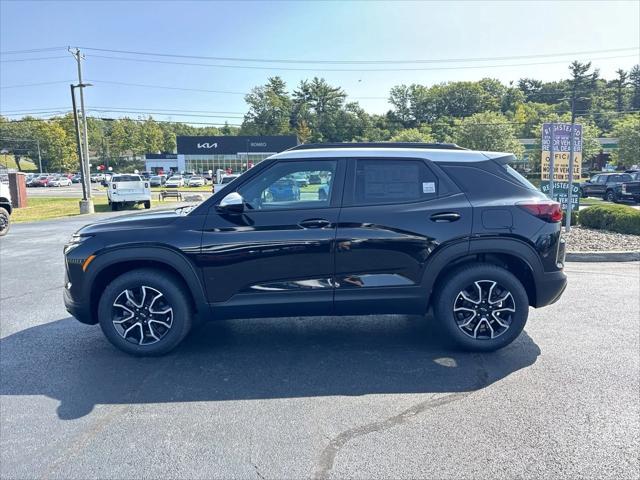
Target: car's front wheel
{"points": [[145, 312], [5, 221], [482, 307]]}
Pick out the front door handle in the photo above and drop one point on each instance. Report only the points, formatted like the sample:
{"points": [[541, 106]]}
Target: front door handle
{"points": [[445, 217], [315, 223]]}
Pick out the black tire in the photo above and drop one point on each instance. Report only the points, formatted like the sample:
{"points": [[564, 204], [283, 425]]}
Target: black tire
{"points": [[610, 196], [582, 194], [5, 221], [115, 206], [449, 293], [147, 204], [177, 299]]}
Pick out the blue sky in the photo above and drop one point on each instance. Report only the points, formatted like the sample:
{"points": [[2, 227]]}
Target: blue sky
{"points": [[292, 30]]}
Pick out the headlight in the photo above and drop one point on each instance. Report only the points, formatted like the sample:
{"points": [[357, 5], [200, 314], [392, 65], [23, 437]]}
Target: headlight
{"points": [[75, 240]]}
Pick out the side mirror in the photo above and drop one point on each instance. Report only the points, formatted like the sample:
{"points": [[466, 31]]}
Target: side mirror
{"points": [[232, 203]]}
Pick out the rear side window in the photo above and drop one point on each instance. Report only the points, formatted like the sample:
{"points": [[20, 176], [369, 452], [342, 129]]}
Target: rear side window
{"points": [[620, 178], [393, 181], [127, 178], [519, 178]]}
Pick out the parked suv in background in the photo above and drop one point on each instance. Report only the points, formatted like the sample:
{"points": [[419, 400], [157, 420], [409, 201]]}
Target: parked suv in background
{"points": [[401, 228], [604, 185]]}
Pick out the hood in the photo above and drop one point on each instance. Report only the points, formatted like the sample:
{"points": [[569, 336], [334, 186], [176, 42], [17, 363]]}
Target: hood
{"points": [[158, 218]]}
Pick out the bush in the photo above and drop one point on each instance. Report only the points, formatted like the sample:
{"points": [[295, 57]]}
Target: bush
{"points": [[574, 217], [616, 218]]}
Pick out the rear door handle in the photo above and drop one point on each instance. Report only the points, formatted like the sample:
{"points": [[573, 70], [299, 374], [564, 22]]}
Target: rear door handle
{"points": [[445, 217], [315, 223]]}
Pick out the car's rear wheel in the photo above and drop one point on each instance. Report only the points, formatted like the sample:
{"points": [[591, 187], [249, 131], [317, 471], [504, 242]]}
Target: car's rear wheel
{"points": [[610, 196], [147, 204], [145, 312], [5, 221], [482, 307]]}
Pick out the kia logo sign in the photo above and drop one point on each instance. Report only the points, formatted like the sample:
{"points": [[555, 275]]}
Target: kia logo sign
{"points": [[207, 145]]}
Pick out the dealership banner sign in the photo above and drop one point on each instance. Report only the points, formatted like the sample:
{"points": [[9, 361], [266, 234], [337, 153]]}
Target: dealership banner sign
{"points": [[556, 137]]}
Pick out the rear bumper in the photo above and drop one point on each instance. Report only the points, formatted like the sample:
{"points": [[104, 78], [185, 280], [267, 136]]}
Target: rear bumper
{"points": [[130, 198], [549, 288]]}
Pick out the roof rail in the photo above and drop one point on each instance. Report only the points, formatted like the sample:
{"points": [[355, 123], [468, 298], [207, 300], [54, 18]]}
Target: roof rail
{"points": [[432, 146]]}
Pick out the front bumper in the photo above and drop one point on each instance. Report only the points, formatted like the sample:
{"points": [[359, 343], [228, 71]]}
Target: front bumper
{"points": [[78, 309]]}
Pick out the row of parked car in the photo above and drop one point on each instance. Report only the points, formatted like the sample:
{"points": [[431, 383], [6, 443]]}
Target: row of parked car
{"points": [[51, 179], [613, 187]]}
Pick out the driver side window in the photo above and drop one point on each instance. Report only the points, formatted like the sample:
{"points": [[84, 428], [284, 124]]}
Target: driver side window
{"points": [[291, 185]]}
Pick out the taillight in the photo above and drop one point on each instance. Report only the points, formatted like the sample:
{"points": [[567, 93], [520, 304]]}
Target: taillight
{"points": [[146, 185], [547, 210], [113, 185]]}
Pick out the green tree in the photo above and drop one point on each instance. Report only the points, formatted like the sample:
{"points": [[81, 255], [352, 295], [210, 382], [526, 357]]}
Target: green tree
{"points": [[151, 136], [627, 130], [489, 131], [620, 84], [634, 78], [269, 109], [422, 134]]}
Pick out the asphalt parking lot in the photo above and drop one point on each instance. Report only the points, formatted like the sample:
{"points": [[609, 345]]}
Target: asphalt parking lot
{"points": [[356, 397]]}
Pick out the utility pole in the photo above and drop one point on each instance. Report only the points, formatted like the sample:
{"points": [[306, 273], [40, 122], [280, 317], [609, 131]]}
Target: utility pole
{"points": [[85, 205], [85, 144], [39, 156]]}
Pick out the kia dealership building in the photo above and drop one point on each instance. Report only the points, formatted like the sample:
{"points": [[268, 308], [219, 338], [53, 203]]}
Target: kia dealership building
{"points": [[201, 154]]}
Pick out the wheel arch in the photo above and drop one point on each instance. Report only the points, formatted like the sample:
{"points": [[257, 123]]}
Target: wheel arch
{"points": [[109, 265], [6, 204], [512, 254]]}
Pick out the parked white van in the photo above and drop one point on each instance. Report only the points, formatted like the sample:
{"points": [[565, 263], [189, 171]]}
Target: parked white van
{"points": [[128, 189]]}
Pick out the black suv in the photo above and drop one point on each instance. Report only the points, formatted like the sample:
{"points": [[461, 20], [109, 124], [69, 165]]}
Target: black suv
{"points": [[605, 185], [389, 228]]}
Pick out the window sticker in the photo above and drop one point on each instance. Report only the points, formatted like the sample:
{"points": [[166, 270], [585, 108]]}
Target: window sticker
{"points": [[428, 187]]}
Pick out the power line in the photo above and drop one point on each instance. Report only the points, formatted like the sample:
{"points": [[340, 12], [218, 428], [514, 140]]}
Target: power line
{"points": [[256, 67], [360, 62], [35, 84], [32, 50], [30, 59], [188, 89], [168, 87]]}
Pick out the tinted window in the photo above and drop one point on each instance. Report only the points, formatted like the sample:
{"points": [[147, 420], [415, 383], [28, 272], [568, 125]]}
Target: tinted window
{"points": [[522, 180], [393, 181], [620, 178], [127, 178], [275, 189]]}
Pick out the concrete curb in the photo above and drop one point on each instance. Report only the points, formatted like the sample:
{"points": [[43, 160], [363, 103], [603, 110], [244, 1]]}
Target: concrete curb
{"points": [[612, 256]]}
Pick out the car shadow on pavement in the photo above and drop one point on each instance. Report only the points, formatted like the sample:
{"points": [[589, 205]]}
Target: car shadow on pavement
{"points": [[251, 359]]}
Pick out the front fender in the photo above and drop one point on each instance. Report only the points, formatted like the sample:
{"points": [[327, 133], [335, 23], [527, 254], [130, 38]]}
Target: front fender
{"points": [[146, 255]]}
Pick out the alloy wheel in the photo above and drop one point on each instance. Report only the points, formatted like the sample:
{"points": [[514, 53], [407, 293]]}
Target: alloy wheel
{"points": [[142, 315], [484, 310]]}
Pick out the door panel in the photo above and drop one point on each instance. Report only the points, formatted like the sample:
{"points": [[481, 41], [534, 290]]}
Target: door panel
{"points": [[275, 254], [382, 250]]}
